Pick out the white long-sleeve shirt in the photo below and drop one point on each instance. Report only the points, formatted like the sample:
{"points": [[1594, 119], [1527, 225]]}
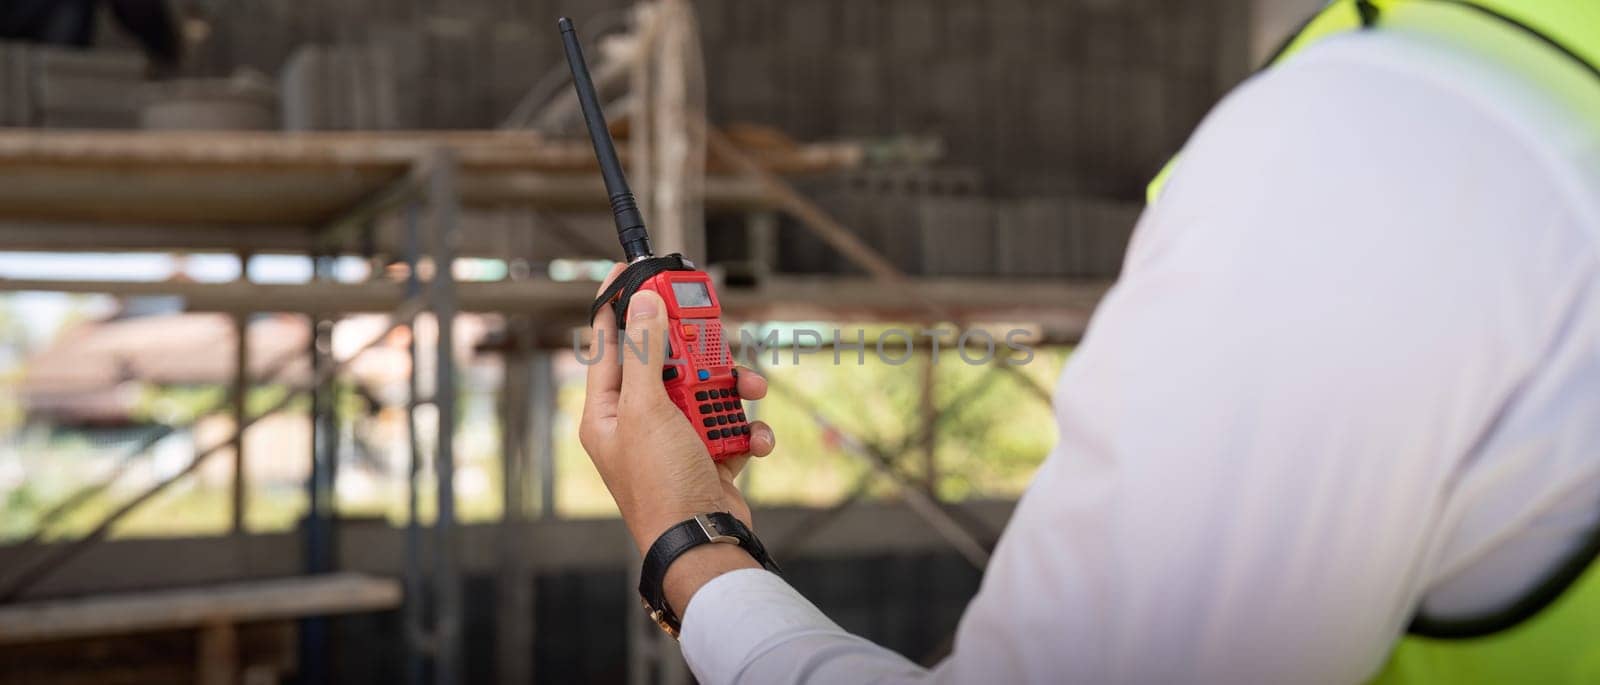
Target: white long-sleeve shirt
{"points": [[1351, 369]]}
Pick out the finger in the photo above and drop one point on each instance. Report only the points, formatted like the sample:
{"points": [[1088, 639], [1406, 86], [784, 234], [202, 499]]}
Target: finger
{"points": [[762, 439], [644, 346], [752, 385], [604, 374]]}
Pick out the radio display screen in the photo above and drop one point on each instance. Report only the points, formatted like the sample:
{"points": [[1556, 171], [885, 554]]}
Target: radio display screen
{"points": [[691, 294]]}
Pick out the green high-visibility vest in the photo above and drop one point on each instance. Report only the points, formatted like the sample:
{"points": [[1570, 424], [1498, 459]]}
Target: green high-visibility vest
{"points": [[1551, 635], [1530, 33]]}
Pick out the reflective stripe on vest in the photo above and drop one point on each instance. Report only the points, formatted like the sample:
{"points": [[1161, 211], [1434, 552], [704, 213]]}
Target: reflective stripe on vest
{"points": [[1552, 635]]}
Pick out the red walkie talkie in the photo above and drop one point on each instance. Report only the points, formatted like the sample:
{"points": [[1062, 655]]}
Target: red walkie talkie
{"points": [[699, 373]]}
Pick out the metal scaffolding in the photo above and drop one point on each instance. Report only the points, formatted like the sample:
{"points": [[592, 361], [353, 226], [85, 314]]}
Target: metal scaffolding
{"points": [[403, 196]]}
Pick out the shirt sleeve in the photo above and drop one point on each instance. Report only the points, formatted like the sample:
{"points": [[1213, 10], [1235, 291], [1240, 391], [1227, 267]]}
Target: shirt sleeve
{"points": [[1263, 438], [751, 626]]}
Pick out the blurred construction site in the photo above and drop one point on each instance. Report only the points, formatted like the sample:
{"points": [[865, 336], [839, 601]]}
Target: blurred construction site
{"points": [[290, 292]]}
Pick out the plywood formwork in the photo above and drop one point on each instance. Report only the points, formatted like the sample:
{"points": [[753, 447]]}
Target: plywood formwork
{"points": [[295, 181]]}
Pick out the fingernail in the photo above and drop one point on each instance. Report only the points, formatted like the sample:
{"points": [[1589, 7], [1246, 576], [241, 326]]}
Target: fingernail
{"points": [[640, 308]]}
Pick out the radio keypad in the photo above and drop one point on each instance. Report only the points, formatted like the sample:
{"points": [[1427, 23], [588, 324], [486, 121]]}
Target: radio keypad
{"points": [[722, 413]]}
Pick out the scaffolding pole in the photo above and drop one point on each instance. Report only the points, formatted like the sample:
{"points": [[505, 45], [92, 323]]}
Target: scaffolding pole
{"points": [[241, 394], [320, 546], [58, 556], [513, 591], [444, 210], [415, 629]]}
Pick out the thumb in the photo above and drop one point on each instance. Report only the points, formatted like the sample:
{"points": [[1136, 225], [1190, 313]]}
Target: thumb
{"points": [[644, 349]]}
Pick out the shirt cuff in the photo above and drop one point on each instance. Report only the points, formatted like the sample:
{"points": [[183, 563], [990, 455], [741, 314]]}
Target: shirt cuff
{"points": [[739, 614]]}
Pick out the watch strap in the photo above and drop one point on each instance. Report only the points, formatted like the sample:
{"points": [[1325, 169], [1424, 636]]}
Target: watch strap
{"points": [[711, 528]]}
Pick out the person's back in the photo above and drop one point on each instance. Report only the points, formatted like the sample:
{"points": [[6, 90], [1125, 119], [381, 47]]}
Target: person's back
{"points": [[1350, 376], [1352, 371]]}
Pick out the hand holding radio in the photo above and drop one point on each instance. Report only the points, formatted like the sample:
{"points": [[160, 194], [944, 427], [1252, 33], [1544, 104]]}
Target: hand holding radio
{"points": [[654, 463], [702, 380], [664, 418]]}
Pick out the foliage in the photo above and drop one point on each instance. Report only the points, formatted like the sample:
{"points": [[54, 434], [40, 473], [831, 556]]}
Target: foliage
{"points": [[992, 435]]}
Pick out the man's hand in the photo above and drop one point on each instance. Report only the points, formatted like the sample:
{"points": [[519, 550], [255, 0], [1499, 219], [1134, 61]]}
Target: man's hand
{"points": [[651, 459]]}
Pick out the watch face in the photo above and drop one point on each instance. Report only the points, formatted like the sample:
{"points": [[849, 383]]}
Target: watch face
{"points": [[692, 294]]}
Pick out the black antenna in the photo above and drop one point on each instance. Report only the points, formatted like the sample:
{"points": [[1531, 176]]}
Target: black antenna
{"points": [[630, 224]]}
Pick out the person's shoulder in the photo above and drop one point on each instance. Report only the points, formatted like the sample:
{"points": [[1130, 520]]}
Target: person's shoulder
{"points": [[1369, 185], [1393, 138], [1440, 105]]}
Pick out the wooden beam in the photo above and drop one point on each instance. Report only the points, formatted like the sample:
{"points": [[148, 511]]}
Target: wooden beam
{"points": [[811, 214], [302, 179], [614, 64], [919, 501], [146, 151], [676, 93], [339, 593], [81, 236], [587, 191], [777, 299], [217, 653]]}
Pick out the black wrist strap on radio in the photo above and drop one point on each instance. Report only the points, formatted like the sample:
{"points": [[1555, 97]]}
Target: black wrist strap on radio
{"points": [[621, 290], [717, 527]]}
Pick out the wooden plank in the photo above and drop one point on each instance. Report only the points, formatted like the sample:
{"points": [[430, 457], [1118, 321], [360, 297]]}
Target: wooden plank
{"points": [[390, 151], [266, 652], [307, 179], [778, 298], [114, 193], [148, 150], [837, 235], [587, 191], [677, 91], [217, 653], [292, 199], [197, 607], [57, 236]]}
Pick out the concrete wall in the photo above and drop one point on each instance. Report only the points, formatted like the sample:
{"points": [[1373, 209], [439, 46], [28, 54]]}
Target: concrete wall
{"points": [[1061, 110], [1084, 96]]}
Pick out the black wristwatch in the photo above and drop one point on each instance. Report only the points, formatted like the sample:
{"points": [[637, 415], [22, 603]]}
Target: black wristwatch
{"points": [[716, 527]]}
